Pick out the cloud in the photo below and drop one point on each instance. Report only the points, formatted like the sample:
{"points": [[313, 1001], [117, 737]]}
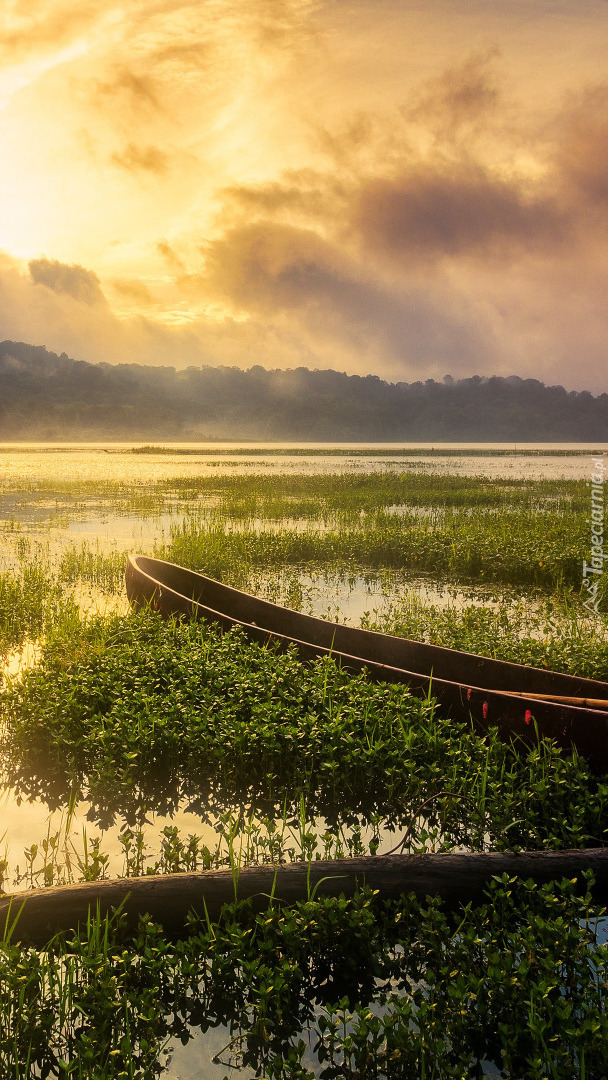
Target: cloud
{"points": [[136, 89], [133, 290], [277, 270], [142, 159], [300, 196], [33, 29], [42, 316], [439, 226], [581, 148], [461, 97], [274, 23], [169, 255], [442, 211], [82, 285]]}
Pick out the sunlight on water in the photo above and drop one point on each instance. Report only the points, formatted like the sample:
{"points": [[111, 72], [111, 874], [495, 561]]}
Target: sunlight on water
{"points": [[19, 660], [115, 462]]}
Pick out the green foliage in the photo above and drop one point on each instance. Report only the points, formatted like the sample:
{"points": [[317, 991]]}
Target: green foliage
{"points": [[30, 601], [530, 536], [551, 633], [325, 988], [136, 713], [105, 571], [131, 701]]}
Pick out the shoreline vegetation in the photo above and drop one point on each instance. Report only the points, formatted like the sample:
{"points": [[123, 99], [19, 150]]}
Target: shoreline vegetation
{"points": [[256, 449], [47, 396], [293, 762]]}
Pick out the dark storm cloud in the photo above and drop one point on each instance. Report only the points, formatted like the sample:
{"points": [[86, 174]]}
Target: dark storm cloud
{"points": [[435, 212], [142, 159], [271, 269], [581, 156], [75, 281]]}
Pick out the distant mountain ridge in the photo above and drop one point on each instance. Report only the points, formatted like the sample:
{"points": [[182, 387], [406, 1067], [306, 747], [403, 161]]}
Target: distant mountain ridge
{"points": [[51, 397]]}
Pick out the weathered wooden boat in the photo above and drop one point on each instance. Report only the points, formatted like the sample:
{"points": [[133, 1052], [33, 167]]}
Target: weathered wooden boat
{"points": [[459, 878], [518, 700]]}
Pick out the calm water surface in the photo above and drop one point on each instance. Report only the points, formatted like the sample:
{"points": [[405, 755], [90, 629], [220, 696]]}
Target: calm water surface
{"points": [[35, 462], [28, 471]]}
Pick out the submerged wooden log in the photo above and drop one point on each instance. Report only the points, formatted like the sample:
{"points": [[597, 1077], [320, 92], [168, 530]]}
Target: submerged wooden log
{"points": [[167, 898]]}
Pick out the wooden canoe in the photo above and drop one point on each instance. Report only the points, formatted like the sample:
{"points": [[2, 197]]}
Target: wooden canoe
{"points": [[493, 693]]}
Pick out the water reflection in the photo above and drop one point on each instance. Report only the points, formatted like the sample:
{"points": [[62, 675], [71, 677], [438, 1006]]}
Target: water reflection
{"points": [[62, 839]]}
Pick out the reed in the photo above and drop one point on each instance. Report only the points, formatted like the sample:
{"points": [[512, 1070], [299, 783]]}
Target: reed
{"points": [[297, 761], [511, 546], [546, 632]]}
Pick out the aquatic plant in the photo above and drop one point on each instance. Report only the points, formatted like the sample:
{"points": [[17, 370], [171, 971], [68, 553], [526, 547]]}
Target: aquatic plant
{"points": [[547, 632], [326, 987], [30, 601], [128, 702]]}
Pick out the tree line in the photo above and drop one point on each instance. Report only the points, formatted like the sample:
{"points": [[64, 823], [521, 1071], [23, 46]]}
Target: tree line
{"points": [[46, 396]]}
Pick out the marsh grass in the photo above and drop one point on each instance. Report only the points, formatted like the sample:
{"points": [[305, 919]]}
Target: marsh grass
{"points": [[550, 632], [31, 601], [104, 570], [518, 532], [327, 987], [509, 548], [128, 711], [64, 855]]}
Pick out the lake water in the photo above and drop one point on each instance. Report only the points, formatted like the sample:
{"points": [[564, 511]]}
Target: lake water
{"points": [[102, 462], [41, 503], [56, 497]]}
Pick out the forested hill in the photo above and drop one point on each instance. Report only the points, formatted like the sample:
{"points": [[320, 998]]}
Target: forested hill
{"points": [[45, 396]]}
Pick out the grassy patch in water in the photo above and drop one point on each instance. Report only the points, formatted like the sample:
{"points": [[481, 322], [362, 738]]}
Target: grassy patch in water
{"points": [[126, 704], [531, 533], [30, 601], [276, 495], [104, 570], [132, 701], [550, 633], [510, 547]]}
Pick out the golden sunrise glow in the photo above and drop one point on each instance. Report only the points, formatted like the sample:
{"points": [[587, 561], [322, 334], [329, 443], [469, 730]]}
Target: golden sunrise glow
{"points": [[396, 187]]}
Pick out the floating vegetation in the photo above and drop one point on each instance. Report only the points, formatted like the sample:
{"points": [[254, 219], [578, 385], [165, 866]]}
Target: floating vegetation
{"points": [[286, 760], [128, 703], [327, 987]]}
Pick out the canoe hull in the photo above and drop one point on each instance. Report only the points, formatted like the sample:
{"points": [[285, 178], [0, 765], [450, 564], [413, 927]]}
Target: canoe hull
{"points": [[466, 686]]}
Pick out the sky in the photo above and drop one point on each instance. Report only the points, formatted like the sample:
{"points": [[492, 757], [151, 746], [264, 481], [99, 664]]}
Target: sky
{"points": [[409, 189]]}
